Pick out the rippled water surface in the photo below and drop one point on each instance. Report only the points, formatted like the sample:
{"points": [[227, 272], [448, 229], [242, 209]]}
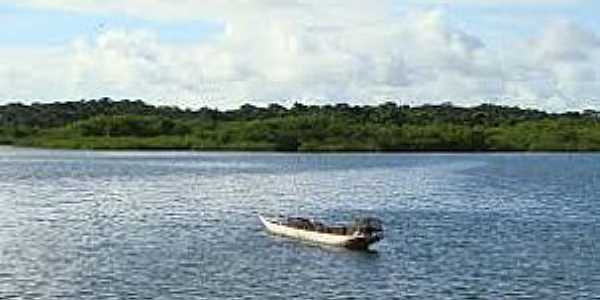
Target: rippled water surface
{"points": [[183, 225]]}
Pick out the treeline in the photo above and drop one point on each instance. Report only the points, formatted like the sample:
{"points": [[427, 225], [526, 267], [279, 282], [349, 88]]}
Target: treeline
{"points": [[125, 124]]}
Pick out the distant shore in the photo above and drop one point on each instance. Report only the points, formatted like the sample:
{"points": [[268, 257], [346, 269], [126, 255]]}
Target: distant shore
{"points": [[134, 125]]}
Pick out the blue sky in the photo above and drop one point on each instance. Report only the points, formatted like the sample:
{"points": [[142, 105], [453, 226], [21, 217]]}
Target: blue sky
{"points": [[50, 27], [531, 53]]}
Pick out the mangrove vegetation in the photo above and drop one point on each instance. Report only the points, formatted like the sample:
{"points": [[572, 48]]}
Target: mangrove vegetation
{"points": [[126, 124]]}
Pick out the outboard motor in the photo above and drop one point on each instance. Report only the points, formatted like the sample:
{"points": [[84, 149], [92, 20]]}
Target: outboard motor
{"points": [[370, 227]]}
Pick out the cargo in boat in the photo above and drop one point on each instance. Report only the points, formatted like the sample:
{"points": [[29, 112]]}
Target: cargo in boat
{"points": [[359, 235]]}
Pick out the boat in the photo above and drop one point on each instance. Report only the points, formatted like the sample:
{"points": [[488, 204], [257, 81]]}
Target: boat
{"points": [[358, 236]]}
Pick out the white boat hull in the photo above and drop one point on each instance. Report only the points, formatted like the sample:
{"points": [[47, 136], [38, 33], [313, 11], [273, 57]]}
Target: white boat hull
{"points": [[348, 241]]}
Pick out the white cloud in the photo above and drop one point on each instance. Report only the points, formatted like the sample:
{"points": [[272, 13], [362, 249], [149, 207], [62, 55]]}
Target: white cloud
{"points": [[558, 69], [32, 73], [314, 51]]}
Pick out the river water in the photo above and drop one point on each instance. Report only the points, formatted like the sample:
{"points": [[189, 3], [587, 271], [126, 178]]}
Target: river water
{"points": [[183, 225]]}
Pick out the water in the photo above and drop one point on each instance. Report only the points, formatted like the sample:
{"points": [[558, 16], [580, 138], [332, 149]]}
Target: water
{"points": [[182, 225]]}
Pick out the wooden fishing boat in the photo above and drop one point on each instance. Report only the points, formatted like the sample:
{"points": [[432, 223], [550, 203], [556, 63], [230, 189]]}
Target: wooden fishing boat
{"points": [[358, 236]]}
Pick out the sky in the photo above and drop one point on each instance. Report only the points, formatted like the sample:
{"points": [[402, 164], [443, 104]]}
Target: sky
{"points": [[542, 54]]}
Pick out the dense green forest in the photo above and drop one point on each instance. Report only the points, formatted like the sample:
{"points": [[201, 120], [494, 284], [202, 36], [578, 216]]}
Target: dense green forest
{"points": [[125, 124]]}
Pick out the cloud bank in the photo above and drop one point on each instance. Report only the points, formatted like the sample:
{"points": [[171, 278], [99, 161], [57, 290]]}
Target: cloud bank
{"points": [[310, 51]]}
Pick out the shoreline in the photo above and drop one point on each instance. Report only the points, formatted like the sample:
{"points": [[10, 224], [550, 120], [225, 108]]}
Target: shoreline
{"points": [[255, 151]]}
